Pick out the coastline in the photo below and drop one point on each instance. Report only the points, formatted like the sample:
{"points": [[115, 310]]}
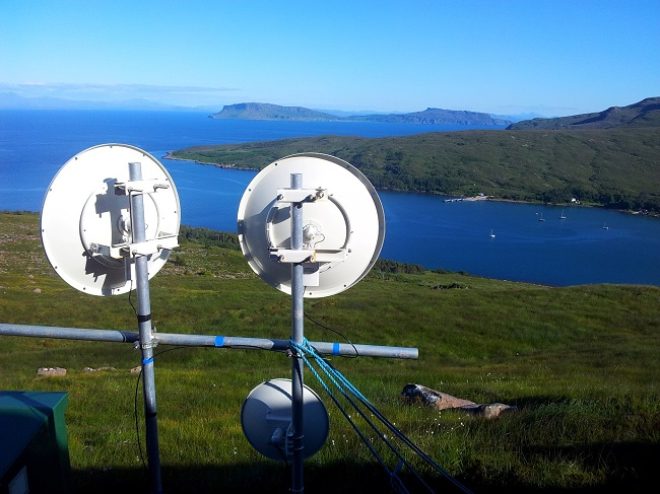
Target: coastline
{"points": [[650, 214], [169, 156]]}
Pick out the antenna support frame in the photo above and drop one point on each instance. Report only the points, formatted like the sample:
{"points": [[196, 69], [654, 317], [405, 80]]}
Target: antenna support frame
{"points": [[298, 197]]}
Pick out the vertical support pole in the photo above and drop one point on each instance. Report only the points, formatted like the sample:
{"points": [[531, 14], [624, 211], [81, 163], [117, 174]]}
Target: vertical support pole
{"points": [[138, 229], [297, 333]]}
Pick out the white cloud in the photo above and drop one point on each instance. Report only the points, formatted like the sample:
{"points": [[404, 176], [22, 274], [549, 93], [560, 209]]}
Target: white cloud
{"points": [[173, 95]]}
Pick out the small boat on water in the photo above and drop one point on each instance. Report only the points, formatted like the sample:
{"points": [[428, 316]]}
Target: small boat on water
{"points": [[562, 216], [541, 218], [492, 235], [605, 227]]}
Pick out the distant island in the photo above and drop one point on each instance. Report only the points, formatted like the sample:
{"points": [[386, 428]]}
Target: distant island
{"points": [[430, 116]]}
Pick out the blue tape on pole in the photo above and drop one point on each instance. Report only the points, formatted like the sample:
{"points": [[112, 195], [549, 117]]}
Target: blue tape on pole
{"points": [[148, 361], [335, 348], [219, 341]]}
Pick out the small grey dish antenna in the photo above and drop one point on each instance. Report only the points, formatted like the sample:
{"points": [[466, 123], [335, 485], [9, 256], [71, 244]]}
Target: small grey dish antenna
{"points": [[267, 415], [343, 224], [86, 218]]}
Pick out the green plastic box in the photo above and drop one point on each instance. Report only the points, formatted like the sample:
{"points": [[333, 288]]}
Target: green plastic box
{"points": [[34, 452]]}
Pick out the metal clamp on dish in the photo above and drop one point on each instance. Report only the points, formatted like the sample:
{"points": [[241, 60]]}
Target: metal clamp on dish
{"points": [[139, 187], [298, 196], [119, 251]]}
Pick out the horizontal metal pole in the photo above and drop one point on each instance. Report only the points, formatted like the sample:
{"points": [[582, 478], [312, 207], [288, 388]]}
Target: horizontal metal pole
{"points": [[69, 333], [108, 335]]}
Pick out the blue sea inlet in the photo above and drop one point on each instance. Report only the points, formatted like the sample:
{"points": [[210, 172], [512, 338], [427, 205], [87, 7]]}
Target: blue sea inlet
{"points": [[494, 239]]}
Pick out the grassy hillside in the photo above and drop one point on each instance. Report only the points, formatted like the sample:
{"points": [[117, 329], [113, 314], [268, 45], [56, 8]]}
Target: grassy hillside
{"points": [[581, 363], [645, 113], [618, 168]]}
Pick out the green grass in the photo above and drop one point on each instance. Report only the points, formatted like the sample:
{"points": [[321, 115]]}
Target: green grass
{"points": [[582, 365]]}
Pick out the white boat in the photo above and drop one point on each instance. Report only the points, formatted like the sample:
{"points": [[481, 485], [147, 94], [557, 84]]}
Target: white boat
{"points": [[492, 235], [605, 227], [562, 216], [541, 218]]}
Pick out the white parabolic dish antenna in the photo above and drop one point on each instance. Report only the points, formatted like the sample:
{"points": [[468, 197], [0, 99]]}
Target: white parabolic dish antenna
{"points": [[266, 420], [86, 218], [343, 223]]}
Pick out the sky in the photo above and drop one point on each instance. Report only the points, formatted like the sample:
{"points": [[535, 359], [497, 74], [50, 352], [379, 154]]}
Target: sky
{"points": [[504, 57]]}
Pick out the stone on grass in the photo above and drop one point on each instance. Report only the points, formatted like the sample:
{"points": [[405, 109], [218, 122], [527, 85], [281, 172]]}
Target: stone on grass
{"points": [[443, 401], [491, 411], [91, 369], [51, 371], [431, 397]]}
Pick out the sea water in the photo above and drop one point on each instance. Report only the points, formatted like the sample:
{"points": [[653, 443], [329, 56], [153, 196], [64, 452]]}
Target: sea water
{"points": [[421, 229]]}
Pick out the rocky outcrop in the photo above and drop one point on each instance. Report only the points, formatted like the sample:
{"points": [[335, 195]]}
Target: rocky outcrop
{"points": [[431, 397], [416, 393]]}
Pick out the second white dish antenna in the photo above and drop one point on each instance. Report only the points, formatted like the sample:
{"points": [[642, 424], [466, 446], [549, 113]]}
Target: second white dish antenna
{"points": [[86, 218], [343, 223]]}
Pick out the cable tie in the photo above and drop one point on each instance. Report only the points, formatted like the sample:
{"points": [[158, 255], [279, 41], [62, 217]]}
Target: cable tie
{"points": [[143, 318], [335, 348], [219, 341], [148, 361]]}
